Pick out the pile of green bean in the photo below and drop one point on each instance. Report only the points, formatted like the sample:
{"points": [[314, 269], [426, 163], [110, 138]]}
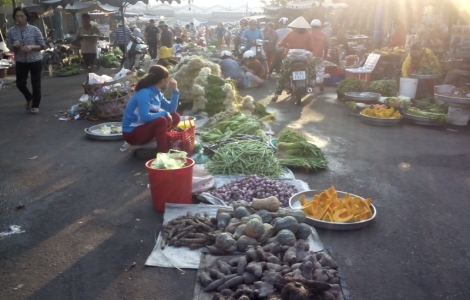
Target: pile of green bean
{"points": [[245, 157]]}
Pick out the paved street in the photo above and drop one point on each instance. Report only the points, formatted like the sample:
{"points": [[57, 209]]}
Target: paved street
{"points": [[88, 214]]}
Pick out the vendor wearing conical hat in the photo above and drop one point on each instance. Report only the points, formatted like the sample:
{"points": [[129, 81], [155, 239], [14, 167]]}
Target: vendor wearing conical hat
{"points": [[299, 37]]}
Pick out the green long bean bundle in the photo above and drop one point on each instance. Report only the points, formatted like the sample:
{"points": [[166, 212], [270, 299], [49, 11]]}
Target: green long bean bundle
{"points": [[245, 157]]}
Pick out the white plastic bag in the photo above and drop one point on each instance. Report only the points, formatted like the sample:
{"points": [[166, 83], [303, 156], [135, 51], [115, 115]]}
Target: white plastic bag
{"points": [[121, 74], [94, 78], [202, 180]]}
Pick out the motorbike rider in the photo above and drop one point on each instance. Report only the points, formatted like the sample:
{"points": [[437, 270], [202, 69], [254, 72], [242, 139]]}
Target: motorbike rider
{"points": [[320, 51], [280, 35], [299, 38], [251, 34], [237, 40], [255, 74]]}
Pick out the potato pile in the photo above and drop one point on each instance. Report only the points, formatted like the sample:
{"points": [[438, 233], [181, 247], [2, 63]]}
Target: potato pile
{"points": [[274, 272]]}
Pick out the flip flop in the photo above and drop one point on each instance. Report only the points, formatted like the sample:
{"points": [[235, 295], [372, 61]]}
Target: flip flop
{"points": [[34, 110], [28, 104]]}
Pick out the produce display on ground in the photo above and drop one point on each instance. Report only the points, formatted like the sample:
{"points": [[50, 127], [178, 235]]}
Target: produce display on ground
{"points": [[350, 85], [425, 108], [260, 222], [236, 124], [186, 72], [111, 59], [293, 149], [463, 92], [382, 113], [274, 272], [250, 187], [245, 157], [399, 102], [386, 88], [72, 69], [326, 206], [237, 137]]}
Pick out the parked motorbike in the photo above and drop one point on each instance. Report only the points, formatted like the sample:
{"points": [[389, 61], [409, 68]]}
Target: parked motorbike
{"points": [[55, 53], [136, 50], [299, 84]]}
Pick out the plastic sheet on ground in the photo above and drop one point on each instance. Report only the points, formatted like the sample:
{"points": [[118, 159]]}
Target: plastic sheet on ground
{"points": [[185, 258]]}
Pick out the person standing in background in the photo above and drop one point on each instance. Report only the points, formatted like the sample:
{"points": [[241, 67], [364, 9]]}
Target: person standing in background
{"points": [[121, 39], [136, 31], [26, 41], [270, 45], [328, 30], [281, 33], [166, 36], [319, 51], [219, 33], [88, 44], [151, 37], [184, 33], [398, 38]]}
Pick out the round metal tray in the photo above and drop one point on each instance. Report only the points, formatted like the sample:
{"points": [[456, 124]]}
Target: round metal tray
{"points": [[419, 76], [363, 97], [380, 121], [94, 132], [294, 203], [422, 120], [452, 99]]}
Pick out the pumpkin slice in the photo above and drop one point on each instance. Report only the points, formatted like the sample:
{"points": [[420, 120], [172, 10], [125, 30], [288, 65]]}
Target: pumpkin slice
{"points": [[322, 198], [332, 192], [327, 210], [318, 214], [302, 199], [362, 217], [342, 216], [328, 217], [368, 201]]}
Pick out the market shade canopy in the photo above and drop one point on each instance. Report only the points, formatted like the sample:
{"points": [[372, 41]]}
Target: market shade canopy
{"points": [[83, 7], [117, 3], [312, 3]]}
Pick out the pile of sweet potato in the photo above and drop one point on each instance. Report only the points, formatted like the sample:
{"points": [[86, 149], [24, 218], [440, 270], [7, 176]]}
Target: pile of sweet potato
{"points": [[274, 272]]}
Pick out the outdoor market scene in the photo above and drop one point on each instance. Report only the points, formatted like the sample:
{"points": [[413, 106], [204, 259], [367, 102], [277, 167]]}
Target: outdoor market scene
{"points": [[206, 150]]}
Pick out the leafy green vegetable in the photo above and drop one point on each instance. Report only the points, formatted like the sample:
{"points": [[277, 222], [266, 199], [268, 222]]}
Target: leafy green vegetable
{"points": [[387, 88], [293, 149], [431, 115], [350, 85]]}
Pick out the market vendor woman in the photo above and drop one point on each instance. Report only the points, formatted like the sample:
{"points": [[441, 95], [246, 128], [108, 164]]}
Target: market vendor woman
{"points": [[421, 61], [148, 115]]}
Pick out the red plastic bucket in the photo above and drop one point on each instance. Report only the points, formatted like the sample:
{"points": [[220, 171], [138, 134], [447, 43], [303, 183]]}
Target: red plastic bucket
{"points": [[170, 186]]}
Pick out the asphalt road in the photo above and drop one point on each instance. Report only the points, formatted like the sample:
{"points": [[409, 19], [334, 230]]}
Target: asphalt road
{"points": [[88, 216]]}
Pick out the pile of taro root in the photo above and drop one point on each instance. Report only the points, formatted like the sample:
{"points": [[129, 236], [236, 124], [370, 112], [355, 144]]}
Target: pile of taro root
{"points": [[250, 224], [274, 272]]}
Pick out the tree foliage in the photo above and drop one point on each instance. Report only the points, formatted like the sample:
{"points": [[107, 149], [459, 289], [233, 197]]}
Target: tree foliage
{"points": [[10, 2]]}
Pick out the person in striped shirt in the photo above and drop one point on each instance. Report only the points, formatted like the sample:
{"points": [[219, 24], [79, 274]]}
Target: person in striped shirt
{"points": [[121, 38]]}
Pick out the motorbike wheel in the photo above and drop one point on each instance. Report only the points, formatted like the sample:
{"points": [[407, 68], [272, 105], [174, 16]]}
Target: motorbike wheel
{"points": [[298, 96], [48, 59]]}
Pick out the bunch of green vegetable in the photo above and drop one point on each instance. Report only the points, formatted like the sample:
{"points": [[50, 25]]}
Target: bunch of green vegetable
{"points": [[245, 157], [387, 88], [294, 150], [238, 124], [109, 60], [426, 105], [427, 114], [430, 69], [73, 68], [117, 52], [350, 85]]}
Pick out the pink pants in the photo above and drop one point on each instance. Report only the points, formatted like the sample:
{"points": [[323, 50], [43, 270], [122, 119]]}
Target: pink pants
{"points": [[155, 129]]}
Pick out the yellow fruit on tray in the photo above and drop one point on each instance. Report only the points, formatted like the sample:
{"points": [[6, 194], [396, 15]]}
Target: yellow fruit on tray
{"points": [[383, 113], [326, 206]]}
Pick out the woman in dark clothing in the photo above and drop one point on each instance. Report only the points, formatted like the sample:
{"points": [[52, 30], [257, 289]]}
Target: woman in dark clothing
{"points": [[27, 41]]}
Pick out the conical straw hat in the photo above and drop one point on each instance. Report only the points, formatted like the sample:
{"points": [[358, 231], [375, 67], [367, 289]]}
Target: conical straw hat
{"points": [[300, 22]]}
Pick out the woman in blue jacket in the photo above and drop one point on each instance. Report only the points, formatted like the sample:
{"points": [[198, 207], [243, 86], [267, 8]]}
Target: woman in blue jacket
{"points": [[148, 115]]}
